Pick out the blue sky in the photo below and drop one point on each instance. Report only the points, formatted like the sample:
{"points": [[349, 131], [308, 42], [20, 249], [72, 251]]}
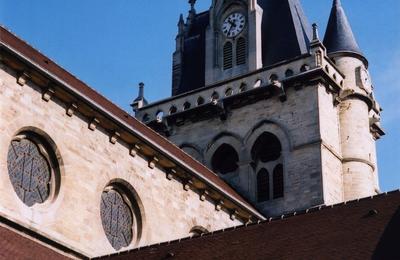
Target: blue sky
{"points": [[113, 45]]}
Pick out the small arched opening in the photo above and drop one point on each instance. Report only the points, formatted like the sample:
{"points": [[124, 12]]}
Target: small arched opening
{"points": [[225, 160], [266, 148]]}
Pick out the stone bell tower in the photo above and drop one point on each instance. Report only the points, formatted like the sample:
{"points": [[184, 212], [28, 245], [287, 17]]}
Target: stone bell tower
{"points": [[287, 120]]}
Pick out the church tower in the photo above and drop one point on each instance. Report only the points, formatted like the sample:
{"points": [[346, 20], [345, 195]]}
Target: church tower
{"points": [[289, 121]]}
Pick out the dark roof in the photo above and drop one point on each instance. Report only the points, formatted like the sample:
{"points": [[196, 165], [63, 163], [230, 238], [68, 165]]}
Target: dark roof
{"points": [[125, 121], [194, 55], [364, 229], [17, 242], [339, 36], [286, 32]]}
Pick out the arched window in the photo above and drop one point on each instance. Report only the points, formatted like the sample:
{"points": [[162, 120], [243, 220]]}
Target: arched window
{"points": [[289, 73], [228, 92], [266, 148], [225, 159], [262, 185], [200, 101], [228, 63], [241, 51], [198, 231], [243, 87], [173, 110], [146, 118], [186, 106], [215, 96], [278, 181]]}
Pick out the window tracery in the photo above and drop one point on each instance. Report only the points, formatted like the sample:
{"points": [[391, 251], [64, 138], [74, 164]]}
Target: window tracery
{"points": [[29, 169], [117, 218]]}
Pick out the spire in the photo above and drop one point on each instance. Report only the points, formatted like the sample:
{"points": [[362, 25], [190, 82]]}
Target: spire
{"points": [[339, 36], [140, 101], [286, 32], [192, 12], [181, 25]]}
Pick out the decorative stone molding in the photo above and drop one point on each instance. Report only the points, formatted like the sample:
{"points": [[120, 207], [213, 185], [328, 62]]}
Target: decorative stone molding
{"points": [[23, 78], [234, 215], [133, 151], [187, 184], [114, 137], [93, 124], [171, 173], [153, 162], [47, 94], [203, 195], [219, 205], [71, 109]]}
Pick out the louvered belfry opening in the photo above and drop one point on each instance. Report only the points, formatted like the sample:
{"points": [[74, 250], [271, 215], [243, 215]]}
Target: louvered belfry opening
{"points": [[241, 51], [228, 55]]}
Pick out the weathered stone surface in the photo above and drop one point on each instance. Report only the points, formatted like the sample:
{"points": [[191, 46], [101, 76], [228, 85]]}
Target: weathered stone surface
{"points": [[88, 163]]}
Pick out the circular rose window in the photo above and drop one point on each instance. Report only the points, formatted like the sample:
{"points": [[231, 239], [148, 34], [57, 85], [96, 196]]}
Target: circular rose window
{"points": [[117, 217], [30, 170]]}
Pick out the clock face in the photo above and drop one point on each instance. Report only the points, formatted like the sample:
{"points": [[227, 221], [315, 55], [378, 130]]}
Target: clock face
{"points": [[233, 24], [366, 80]]}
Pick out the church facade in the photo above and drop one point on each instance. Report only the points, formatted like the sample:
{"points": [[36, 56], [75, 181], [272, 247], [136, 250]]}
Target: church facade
{"points": [[287, 119], [265, 119]]}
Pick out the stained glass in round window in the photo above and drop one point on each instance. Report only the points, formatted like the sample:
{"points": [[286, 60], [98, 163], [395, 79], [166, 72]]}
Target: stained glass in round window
{"points": [[29, 171], [117, 218]]}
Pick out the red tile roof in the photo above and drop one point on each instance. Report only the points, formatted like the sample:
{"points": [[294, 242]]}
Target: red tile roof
{"points": [[168, 149], [364, 229], [17, 242]]}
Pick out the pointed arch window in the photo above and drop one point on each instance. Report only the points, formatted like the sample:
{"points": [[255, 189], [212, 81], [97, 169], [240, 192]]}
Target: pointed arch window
{"points": [[241, 51], [267, 157], [262, 185], [278, 181], [228, 53]]}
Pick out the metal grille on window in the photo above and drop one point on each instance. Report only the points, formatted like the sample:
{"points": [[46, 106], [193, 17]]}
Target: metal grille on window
{"points": [[117, 219], [228, 63], [29, 171], [241, 51]]}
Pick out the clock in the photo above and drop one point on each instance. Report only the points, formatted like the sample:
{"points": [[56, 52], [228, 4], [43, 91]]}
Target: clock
{"points": [[233, 25], [364, 79]]}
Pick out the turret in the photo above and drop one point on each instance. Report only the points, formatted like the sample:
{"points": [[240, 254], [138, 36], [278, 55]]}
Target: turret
{"points": [[140, 101], [357, 106]]}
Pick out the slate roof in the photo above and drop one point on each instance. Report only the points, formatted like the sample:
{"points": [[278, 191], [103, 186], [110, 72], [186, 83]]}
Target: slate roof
{"points": [[364, 229], [339, 36], [193, 73], [286, 32]]}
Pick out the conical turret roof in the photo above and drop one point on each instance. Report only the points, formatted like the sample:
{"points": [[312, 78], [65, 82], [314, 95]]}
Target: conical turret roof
{"points": [[339, 36]]}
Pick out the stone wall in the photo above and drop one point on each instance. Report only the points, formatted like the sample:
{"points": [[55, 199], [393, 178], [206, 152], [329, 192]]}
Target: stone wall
{"points": [[295, 122], [88, 163]]}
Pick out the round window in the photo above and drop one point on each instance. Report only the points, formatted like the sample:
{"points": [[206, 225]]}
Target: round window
{"points": [[117, 217], [30, 169]]}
